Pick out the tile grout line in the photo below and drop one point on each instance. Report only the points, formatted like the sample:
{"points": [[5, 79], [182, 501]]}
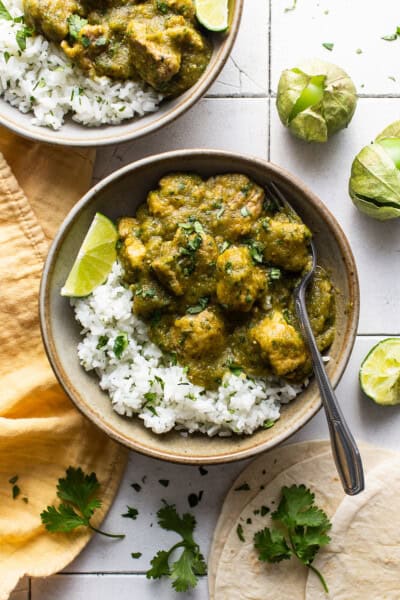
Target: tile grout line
{"points": [[269, 78]]}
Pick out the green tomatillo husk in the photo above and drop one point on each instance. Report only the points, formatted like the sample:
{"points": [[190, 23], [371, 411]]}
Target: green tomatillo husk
{"points": [[315, 100], [375, 176]]}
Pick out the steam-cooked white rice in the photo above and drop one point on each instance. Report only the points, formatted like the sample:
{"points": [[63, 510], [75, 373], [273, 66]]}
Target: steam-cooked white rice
{"points": [[41, 80], [142, 382]]}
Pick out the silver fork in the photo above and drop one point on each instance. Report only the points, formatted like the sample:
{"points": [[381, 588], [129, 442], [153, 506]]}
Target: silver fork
{"points": [[344, 448]]}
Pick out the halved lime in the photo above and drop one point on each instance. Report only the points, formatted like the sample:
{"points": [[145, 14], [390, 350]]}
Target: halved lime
{"points": [[380, 373], [213, 14], [95, 258]]}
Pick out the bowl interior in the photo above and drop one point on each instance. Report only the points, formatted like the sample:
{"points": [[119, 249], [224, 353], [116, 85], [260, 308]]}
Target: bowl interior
{"points": [[74, 134], [120, 195]]}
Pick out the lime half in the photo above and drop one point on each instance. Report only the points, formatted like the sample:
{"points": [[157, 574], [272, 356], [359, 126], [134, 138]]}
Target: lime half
{"points": [[213, 14], [95, 258], [380, 373]]}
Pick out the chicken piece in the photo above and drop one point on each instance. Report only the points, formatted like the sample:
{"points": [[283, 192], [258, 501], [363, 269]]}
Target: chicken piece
{"points": [[154, 55], [190, 256], [241, 200], [149, 297], [175, 191], [239, 281], [198, 335], [182, 7], [280, 344], [133, 254], [285, 242], [168, 269], [127, 226], [50, 17]]}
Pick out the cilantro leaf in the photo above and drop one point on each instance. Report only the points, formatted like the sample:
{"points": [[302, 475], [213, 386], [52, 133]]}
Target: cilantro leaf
{"points": [[271, 545], [190, 564], [159, 565], [63, 519], [169, 520], [76, 490], [75, 24], [303, 530]]}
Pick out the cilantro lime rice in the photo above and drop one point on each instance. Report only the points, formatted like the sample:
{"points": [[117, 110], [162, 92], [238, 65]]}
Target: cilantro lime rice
{"points": [[141, 380]]}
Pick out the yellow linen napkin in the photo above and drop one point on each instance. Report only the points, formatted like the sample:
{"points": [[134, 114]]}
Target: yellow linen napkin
{"points": [[41, 433]]}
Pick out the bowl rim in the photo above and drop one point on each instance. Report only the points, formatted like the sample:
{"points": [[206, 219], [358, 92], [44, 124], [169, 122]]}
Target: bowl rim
{"points": [[282, 175], [186, 101]]}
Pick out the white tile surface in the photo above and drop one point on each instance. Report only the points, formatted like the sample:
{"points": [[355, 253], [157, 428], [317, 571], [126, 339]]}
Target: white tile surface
{"points": [[107, 587], [350, 25], [238, 120], [239, 125], [246, 72]]}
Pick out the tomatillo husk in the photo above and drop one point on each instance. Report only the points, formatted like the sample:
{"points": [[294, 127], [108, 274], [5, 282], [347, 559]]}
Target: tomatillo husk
{"points": [[315, 100], [375, 176]]}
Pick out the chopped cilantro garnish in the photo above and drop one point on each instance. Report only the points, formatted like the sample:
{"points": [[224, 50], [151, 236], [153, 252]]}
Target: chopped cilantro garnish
{"points": [[136, 554], [120, 344], [198, 308], [164, 482], [239, 531], [4, 14], [194, 499], [242, 488], [75, 24], [22, 35], [136, 486], [328, 45], [131, 513]]}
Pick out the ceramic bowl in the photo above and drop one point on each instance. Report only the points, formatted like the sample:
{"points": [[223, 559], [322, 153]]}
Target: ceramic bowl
{"points": [[74, 134], [120, 194]]}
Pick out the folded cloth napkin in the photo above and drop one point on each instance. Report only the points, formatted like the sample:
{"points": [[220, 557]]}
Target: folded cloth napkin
{"points": [[41, 433]]}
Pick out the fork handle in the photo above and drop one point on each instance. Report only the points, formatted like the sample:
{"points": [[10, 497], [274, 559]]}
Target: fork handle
{"points": [[344, 448]]}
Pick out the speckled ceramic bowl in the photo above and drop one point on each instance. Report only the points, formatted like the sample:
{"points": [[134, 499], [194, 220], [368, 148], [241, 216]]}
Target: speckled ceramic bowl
{"points": [[74, 134], [120, 194]]}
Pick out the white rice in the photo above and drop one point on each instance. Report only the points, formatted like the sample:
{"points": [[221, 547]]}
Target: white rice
{"points": [[41, 80], [140, 382]]}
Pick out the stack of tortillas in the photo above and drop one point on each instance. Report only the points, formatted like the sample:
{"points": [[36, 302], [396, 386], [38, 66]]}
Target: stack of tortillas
{"points": [[362, 560]]}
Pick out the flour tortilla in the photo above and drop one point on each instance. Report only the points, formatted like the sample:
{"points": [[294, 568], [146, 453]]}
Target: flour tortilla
{"points": [[259, 472], [240, 575], [363, 559]]}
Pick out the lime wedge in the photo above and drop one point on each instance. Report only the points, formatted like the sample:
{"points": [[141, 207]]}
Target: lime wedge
{"points": [[213, 14], [95, 258], [380, 373]]}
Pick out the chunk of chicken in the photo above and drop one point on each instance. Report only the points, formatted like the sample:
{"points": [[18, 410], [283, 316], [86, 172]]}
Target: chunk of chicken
{"points": [[154, 54], [198, 335], [149, 297], [241, 203], [191, 254], [50, 16], [286, 242], [239, 282], [280, 344]]}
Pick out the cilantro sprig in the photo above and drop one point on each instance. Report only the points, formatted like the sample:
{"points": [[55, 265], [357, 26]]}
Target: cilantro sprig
{"points": [[77, 492], [185, 570], [301, 532]]}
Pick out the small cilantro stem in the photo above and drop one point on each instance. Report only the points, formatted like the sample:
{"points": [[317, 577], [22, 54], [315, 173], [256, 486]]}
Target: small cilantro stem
{"points": [[110, 535], [320, 577]]}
